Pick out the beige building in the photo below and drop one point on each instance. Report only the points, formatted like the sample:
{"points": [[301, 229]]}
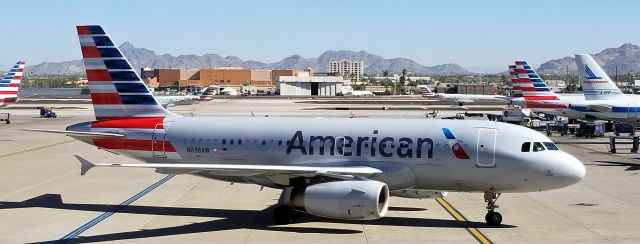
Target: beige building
{"points": [[347, 68]]}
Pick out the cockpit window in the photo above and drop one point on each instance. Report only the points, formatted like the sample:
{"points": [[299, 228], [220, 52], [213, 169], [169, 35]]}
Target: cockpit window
{"points": [[537, 147], [550, 146], [526, 147]]}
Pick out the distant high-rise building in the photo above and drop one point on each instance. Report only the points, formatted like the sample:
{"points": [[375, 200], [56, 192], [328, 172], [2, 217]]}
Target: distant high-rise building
{"points": [[347, 68]]}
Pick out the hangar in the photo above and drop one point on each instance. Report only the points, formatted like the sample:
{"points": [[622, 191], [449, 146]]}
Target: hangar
{"points": [[310, 85]]}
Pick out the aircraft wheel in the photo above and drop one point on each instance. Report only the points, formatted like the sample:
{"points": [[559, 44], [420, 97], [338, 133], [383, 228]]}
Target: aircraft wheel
{"points": [[283, 215], [493, 218]]}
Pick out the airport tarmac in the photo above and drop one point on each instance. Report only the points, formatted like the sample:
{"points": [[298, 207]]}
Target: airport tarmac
{"points": [[43, 198]]}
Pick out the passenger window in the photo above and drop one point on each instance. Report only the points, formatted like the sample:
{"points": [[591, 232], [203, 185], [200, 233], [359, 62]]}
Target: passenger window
{"points": [[231, 141], [537, 147], [240, 142], [526, 147], [279, 142], [224, 141], [264, 142], [550, 146]]}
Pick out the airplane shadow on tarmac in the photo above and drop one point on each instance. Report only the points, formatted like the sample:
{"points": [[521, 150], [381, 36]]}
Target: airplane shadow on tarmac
{"points": [[630, 166], [229, 219]]}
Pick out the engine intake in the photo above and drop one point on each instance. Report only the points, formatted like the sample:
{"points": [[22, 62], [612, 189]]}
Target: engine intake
{"points": [[363, 200]]}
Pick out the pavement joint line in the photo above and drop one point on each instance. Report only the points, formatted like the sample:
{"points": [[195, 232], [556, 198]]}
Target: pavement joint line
{"points": [[34, 149], [73, 234], [479, 236]]}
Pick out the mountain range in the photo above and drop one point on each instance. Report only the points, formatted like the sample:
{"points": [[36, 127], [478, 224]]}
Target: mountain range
{"points": [[626, 58], [141, 57]]}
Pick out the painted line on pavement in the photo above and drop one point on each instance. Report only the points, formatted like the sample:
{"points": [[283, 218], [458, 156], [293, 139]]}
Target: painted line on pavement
{"points": [[73, 234], [481, 238], [34, 149]]}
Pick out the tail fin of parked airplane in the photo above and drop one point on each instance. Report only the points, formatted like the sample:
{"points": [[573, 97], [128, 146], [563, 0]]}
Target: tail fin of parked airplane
{"points": [[515, 86], [533, 87], [596, 84], [425, 91], [116, 89], [10, 84], [536, 93], [207, 94]]}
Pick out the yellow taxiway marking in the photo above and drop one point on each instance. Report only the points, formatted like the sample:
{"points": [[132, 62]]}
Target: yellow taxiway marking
{"points": [[458, 216], [34, 149]]}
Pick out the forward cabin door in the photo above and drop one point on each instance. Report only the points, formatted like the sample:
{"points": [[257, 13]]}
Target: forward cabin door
{"points": [[157, 141], [486, 147]]}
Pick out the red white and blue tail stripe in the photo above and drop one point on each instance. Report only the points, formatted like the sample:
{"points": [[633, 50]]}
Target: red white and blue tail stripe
{"points": [[515, 86], [116, 89], [10, 84], [536, 92]]}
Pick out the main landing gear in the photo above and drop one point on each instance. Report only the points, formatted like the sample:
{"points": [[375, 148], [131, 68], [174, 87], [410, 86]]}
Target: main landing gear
{"points": [[492, 217], [285, 214]]}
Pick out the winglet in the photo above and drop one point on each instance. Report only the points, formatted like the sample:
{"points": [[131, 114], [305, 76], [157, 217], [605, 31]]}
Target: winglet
{"points": [[85, 165]]}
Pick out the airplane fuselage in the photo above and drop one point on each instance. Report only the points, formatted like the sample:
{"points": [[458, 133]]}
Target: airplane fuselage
{"points": [[469, 156]]}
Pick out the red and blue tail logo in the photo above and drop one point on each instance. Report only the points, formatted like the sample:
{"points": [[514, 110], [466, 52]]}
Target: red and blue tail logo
{"points": [[116, 89], [10, 84], [457, 149]]}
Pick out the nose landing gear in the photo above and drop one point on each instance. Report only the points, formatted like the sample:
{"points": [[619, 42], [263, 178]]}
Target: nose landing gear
{"points": [[492, 217]]}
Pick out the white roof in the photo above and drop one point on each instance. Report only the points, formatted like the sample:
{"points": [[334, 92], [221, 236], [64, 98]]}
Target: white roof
{"points": [[334, 79]]}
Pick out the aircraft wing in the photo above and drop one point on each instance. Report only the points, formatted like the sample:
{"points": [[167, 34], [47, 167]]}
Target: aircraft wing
{"points": [[248, 169], [600, 108], [464, 101]]}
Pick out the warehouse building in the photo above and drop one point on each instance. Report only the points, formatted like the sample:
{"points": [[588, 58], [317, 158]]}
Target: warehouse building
{"points": [[309, 85]]}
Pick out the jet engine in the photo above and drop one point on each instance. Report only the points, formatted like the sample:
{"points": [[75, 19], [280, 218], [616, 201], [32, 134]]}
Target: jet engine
{"points": [[361, 200], [414, 193]]}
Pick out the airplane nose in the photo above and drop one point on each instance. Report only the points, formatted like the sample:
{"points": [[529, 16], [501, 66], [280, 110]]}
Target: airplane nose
{"points": [[572, 170]]}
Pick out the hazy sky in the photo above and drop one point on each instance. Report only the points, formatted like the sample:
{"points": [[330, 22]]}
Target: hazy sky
{"points": [[479, 35]]}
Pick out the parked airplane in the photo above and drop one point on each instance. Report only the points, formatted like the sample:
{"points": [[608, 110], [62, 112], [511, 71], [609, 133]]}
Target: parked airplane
{"points": [[333, 167], [539, 97], [169, 101], [208, 93], [10, 84], [461, 99], [603, 98]]}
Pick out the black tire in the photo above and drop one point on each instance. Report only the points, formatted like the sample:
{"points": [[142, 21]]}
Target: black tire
{"points": [[493, 218], [283, 215]]}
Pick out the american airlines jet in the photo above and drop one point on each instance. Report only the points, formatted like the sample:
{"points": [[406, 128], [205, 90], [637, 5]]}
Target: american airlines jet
{"points": [[340, 168], [603, 98], [10, 84], [461, 99]]}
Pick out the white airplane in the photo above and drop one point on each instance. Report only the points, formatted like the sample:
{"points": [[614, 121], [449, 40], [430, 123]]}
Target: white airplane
{"points": [[461, 99], [338, 168], [169, 101], [10, 84], [603, 98], [537, 95]]}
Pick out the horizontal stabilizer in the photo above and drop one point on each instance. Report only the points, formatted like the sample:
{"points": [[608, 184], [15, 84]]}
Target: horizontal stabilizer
{"points": [[85, 165], [78, 133]]}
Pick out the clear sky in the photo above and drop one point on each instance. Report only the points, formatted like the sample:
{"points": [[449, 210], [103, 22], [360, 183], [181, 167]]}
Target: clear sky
{"points": [[479, 35]]}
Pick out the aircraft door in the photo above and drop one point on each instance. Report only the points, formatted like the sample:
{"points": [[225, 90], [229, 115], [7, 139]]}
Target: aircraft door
{"points": [[157, 141], [486, 151]]}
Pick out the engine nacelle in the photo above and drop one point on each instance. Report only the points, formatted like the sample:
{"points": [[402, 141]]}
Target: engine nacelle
{"points": [[363, 200], [414, 193]]}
